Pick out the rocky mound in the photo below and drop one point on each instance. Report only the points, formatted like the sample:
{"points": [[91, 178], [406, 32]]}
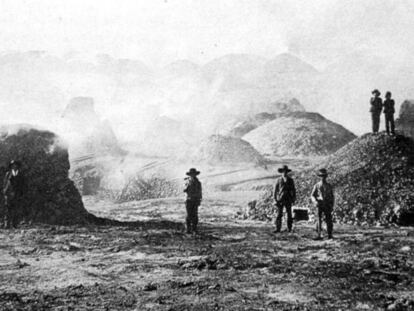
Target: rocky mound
{"points": [[51, 196], [268, 112], [86, 132], [405, 121], [373, 178], [218, 149], [299, 134]]}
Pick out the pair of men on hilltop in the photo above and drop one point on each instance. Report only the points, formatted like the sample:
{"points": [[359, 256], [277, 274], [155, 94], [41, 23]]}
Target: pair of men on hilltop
{"points": [[322, 195], [284, 194], [377, 106]]}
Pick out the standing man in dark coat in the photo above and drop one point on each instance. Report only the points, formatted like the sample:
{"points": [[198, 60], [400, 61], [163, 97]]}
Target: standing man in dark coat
{"points": [[323, 197], [194, 197], [285, 196], [389, 111], [375, 109], [14, 187]]}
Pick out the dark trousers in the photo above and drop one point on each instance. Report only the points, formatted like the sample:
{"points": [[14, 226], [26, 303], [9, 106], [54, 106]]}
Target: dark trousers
{"points": [[327, 212], [192, 215], [389, 123], [375, 121], [12, 212], [280, 206]]}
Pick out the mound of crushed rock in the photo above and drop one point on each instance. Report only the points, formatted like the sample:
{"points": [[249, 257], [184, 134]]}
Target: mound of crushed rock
{"points": [[405, 121], [51, 197], [373, 178], [259, 115], [218, 149], [299, 134]]}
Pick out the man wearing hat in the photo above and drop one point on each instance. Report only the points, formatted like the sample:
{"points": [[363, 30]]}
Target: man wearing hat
{"points": [[375, 109], [194, 196], [389, 111], [13, 190], [285, 196], [323, 197]]}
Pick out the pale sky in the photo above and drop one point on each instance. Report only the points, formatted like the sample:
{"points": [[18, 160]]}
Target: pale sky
{"points": [[161, 31]]}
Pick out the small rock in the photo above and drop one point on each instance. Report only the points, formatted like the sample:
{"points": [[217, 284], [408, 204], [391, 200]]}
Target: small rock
{"points": [[405, 249]]}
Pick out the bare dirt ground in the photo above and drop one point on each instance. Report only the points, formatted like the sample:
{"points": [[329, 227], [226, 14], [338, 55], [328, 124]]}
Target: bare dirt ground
{"points": [[231, 264]]}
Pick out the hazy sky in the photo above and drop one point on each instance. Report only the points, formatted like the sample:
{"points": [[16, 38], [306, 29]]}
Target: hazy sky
{"points": [[161, 31]]}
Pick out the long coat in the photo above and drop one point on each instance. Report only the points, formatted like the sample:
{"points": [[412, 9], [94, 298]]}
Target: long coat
{"points": [[285, 190], [14, 186]]}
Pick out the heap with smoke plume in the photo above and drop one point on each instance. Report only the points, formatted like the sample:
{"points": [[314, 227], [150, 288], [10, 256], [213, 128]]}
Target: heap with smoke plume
{"points": [[85, 131], [405, 121], [373, 177], [51, 196], [90, 140], [299, 134]]}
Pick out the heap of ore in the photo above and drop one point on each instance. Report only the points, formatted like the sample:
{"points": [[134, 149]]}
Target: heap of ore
{"points": [[299, 134], [51, 197], [373, 178], [219, 149]]}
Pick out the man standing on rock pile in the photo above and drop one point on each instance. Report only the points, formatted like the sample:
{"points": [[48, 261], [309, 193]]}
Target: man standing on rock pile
{"points": [[194, 197], [285, 196], [376, 107], [13, 190], [389, 113], [323, 197]]}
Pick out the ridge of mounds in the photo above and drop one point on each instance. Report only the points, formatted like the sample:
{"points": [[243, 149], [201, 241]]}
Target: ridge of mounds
{"points": [[373, 177], [219, 149], [51, 197], [299, 134]]}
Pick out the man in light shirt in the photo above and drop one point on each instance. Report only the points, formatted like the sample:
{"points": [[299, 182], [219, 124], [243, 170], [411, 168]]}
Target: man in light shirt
{"points": [[323, 197]]}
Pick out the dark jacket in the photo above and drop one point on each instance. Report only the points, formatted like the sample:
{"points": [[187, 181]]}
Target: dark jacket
{"points": [[389, 106], [193, 189], [14, 185], [323, 195], [376, 105], [285, 191]]}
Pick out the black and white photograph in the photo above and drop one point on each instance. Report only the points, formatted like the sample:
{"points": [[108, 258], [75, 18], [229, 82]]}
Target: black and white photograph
{"points": [[207, 155]]}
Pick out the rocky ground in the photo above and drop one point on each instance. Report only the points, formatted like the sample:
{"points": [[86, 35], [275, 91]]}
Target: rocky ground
{"points": [[231, 264]]}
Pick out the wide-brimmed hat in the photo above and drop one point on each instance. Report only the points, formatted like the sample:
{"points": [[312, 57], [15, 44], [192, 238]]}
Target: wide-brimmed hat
{"points": [[376, 92], [192, 172], [15, 162], [284, 168], [322, 172]]}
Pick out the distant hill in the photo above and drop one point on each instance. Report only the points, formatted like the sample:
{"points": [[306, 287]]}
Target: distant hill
{"points": [[234, 71], [182, 68], [286, 63], [299, 134]]}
